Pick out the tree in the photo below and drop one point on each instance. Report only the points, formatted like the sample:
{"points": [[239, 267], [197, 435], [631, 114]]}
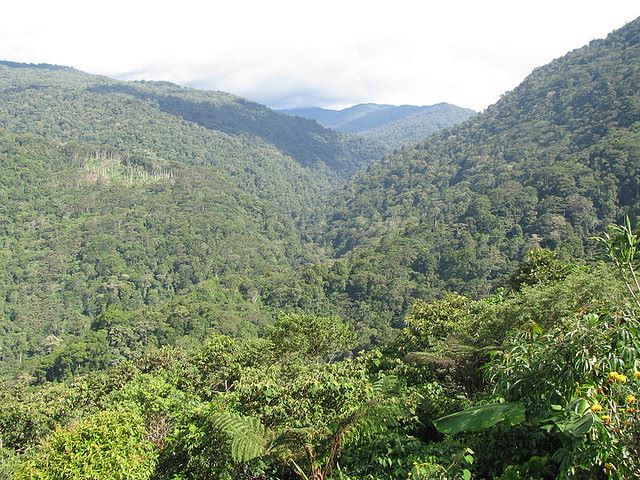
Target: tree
{"points": [[310, 416], [108, 444], [310, 336]]}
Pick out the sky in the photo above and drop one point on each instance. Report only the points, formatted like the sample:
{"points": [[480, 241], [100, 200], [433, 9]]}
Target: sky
{"points": [[295, 53]]}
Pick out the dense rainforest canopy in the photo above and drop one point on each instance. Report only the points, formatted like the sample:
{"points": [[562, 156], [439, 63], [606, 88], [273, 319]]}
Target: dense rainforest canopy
{"points": [[193, 286]]}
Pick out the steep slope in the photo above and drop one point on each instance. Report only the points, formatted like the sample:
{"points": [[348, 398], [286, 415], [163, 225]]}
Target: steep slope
{"points": [[418, 125], [242, 138], [117, 196], [308, 143], [393, 126], [548, 165], [85, 230]]}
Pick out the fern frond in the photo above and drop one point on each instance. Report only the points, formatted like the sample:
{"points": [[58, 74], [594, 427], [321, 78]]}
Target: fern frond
{"points": [[246, 436]]}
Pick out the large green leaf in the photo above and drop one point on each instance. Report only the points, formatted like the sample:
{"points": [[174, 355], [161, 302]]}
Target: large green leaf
{"points": [[480, 418], [577, 427], [246, 436]]}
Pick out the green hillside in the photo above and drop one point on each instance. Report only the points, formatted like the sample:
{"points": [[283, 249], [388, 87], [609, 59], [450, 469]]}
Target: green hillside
{"points": [[120, 195], [243, 139], [305, 141], [86, 229], [415, 127], [195, 287], [389, 125], [549, 165]]}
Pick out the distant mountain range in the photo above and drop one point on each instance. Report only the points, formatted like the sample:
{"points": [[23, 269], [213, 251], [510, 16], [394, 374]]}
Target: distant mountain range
{"points": [[392, 125]]}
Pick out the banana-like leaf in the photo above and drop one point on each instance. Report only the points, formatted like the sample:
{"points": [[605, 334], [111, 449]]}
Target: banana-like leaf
{"points": [[482, 417], [577, 427]]}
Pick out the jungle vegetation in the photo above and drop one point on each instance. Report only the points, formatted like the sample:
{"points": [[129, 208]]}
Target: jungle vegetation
{"points": [[193, 286]]}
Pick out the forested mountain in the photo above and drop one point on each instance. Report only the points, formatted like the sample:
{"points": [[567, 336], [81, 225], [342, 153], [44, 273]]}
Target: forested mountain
{"points": [[123, 194], [190, 288], [393, 126], [176, 123], [128, 172], [550, 164], [337, 118], [86, 229]]}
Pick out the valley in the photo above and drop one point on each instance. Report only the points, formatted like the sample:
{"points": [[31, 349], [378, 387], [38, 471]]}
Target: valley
{"points": [[194, 285]]}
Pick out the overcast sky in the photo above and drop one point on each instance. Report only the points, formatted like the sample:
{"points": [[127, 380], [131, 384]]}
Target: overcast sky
{"points": [[294, 53]]}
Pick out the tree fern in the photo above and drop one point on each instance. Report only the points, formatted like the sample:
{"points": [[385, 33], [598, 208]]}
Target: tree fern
{"points": [[247, 436]]}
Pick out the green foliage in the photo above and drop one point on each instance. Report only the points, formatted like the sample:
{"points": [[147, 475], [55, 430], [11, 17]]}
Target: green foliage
{"points": [[218, 364], [457, 469], [315, 409], [539, 265], [154, 395], [534, 469], [545, 305], [574, 379], [8, 461], [481, 417], [558, 376], [309, 336], [196, 448], [29, 415], [246, 435], [621, 245], [543, 369], [90, 353], [388, 455], [105, 445], [428, 324], [251, 408]]}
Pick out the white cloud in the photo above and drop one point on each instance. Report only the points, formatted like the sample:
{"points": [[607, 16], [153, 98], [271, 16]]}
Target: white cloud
{"points": [[295, 53]]}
